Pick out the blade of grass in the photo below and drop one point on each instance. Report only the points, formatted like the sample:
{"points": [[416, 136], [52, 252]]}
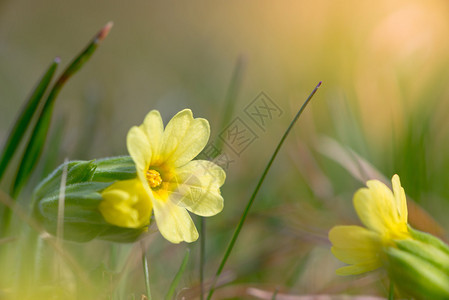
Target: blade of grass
{"points": [[231, 99], [60, 220], [231, 96], [61, 204], [146, 273], [39, 134], [297, 272], [24, 118], [391, 292], [256, 190], [175, 282], [202, 254]]}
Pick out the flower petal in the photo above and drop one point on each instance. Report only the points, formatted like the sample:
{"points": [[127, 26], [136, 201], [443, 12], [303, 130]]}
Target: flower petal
{"points": [[139, 148], [401, 200], [153, 128], [376, 207], [126, 204], [197, 187], [356, 245], [184, 138], [174, 222]]}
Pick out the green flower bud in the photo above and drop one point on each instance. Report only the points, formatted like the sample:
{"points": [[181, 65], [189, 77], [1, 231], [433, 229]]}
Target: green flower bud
{"points": [[82, 220], [85, 182], [429, 239], [420, 266], [114, 168], [77, 171]]}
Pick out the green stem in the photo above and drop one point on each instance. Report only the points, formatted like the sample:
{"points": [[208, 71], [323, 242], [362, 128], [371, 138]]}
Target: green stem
{"points": [[275, 294], [145, 271], [391, 292], [175, 282], [256, 190], [230, 100], [231, 96], [202, 255]]}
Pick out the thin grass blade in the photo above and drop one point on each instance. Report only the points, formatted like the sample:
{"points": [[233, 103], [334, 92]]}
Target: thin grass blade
{"points": [[232, 95], [275, 294], [231, 99], [256, 190], [24, 118], [391, 292], [175, 282], [146, 271], [59, 263], [39, 134]]}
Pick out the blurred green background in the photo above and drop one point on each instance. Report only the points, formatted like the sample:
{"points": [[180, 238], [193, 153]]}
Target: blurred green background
{"points": [[384, 67]]}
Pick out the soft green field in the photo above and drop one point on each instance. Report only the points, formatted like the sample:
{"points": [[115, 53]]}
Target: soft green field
{"points": [[381, 110]]}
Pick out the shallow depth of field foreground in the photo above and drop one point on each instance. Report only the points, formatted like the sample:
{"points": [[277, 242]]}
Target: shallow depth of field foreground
{"points": [[289, 150]]}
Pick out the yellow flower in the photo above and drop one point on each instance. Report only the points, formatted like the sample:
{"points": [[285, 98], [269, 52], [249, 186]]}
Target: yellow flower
{"points": [[168, 180], [384, 213]]}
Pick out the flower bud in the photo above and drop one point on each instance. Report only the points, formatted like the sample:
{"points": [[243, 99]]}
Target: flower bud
{"points": [[86, 180], [114, 168], [420, 266], [77, 171]]}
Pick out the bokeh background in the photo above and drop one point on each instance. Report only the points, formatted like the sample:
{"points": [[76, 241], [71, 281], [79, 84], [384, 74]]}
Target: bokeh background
{"points": [[383, 102]]}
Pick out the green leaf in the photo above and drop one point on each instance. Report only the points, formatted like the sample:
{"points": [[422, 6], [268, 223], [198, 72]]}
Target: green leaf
{"points": [[36, 143], [24, 118]]}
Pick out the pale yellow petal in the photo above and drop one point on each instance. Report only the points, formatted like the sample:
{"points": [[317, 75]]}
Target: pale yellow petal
{"points": [[184, 138], [196, 187], [153, 127], [355, 244], [376, 207], [139, 148], [126, 204], [174, 222], [401, 200]]}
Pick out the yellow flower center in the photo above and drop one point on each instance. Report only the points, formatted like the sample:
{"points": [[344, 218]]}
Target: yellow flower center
{"points": [[154, 178]]}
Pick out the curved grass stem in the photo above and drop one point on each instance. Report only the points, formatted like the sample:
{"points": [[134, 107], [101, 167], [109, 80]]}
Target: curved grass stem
{"points": [[146, 273], [230, 101], [391, 292], [175, 282], [256, 190]]}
